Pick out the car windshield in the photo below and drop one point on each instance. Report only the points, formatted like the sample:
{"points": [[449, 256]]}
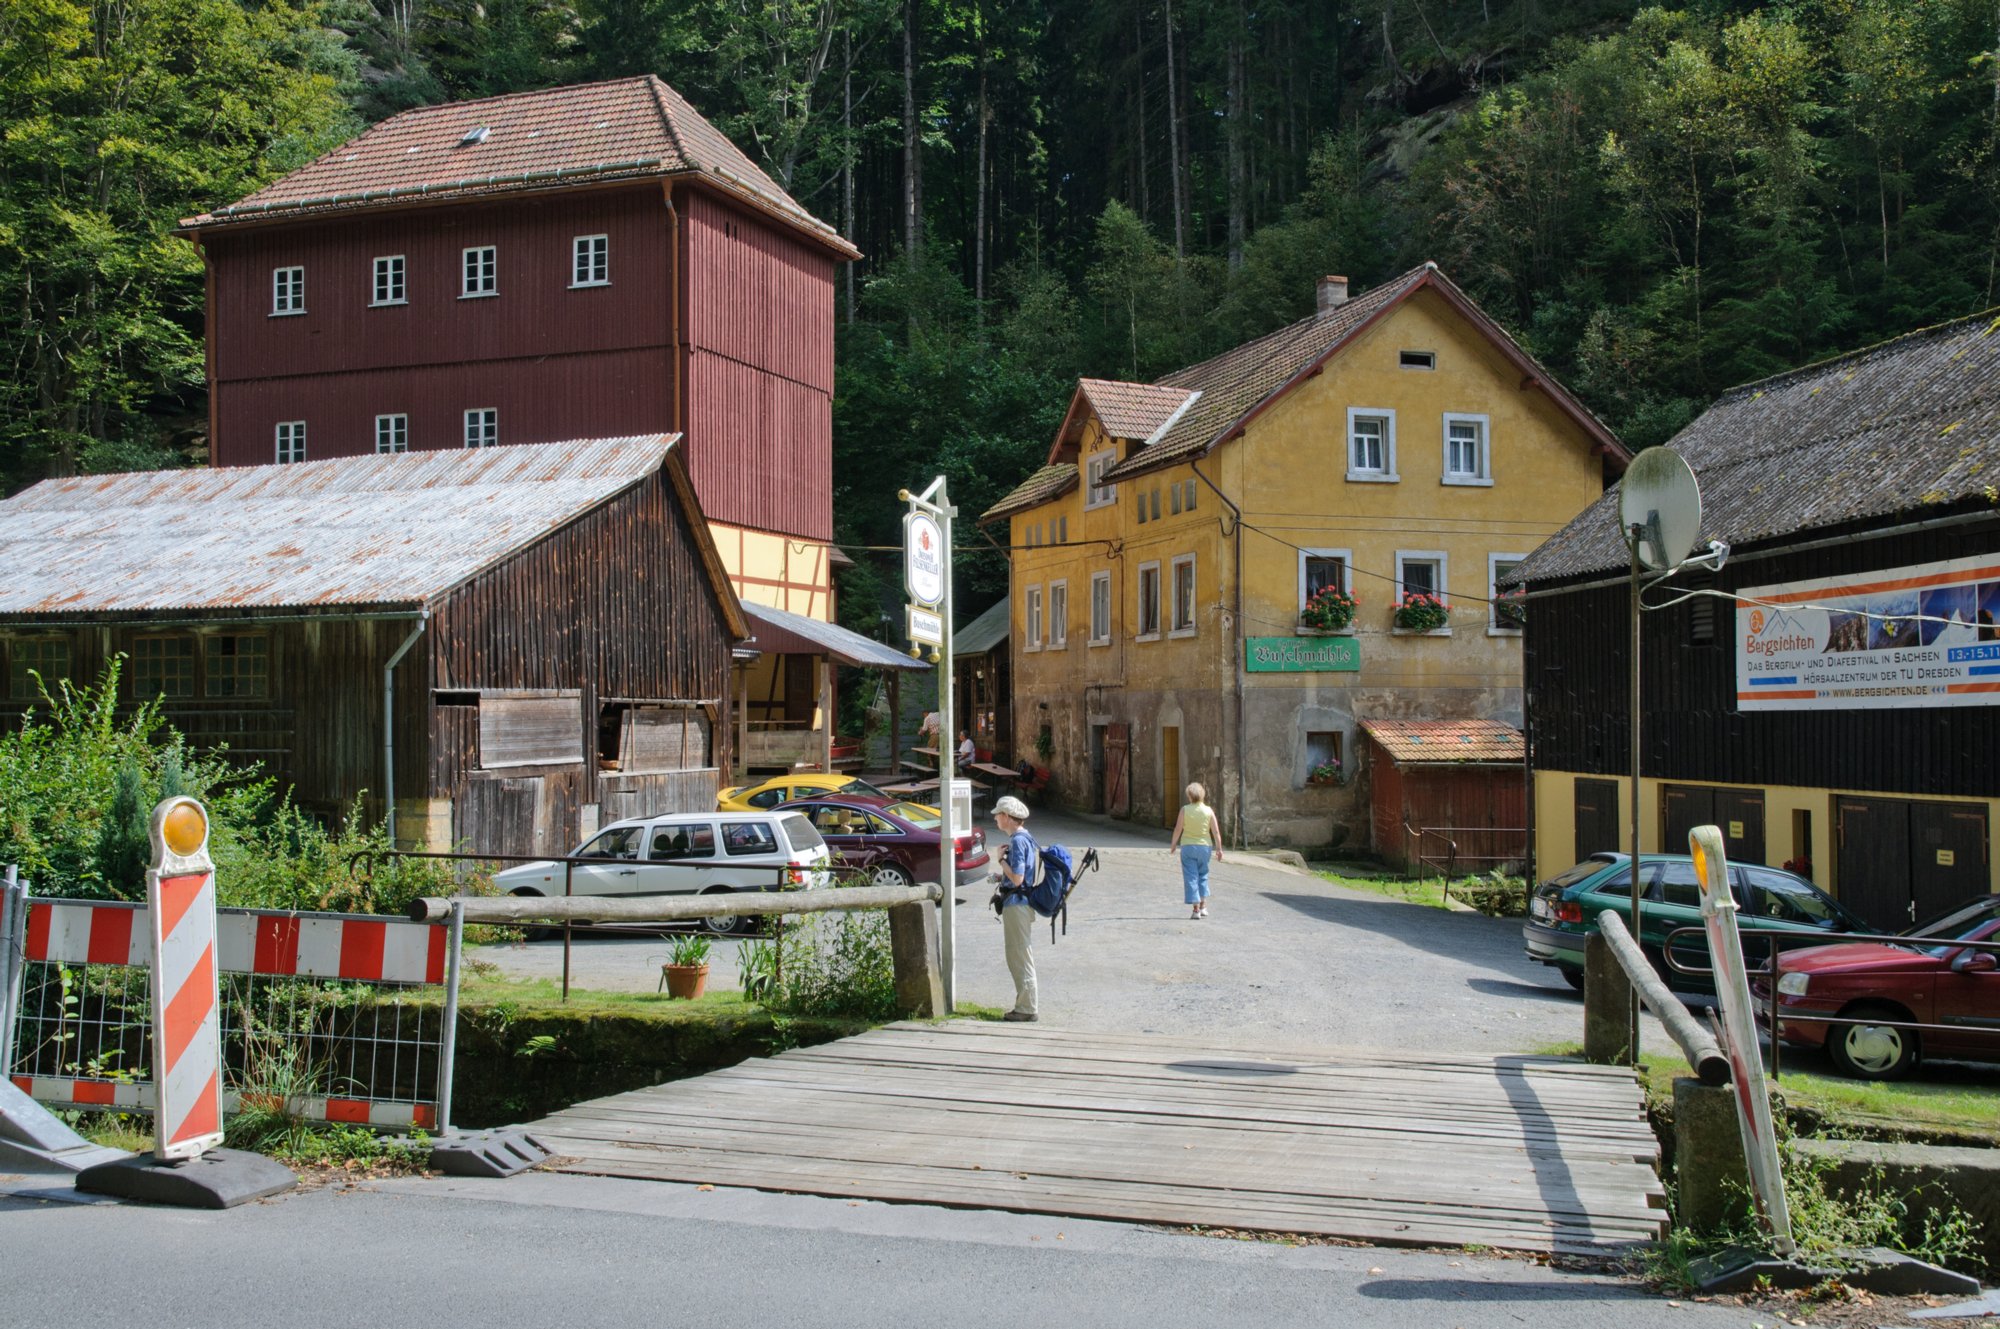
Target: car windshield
{"points": [[1959, 924], [916, 814], [863, 788]]}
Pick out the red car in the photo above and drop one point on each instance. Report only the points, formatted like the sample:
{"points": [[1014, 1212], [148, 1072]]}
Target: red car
{"points": [[1927, 979], [894, 842]]}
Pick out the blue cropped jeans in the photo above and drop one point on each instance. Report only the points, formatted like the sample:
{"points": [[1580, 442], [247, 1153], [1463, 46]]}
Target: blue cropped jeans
{"points": [[1194, 872]]}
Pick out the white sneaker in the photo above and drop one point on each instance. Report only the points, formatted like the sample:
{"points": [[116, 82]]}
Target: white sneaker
{"points": [[1203, 913]]}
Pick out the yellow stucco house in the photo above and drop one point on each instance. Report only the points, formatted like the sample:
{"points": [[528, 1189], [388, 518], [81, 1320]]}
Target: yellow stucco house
{"points": [[1396, 440]]}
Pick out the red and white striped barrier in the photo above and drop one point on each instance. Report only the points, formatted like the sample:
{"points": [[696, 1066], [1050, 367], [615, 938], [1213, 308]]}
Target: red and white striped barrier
{"points": [[248, 941], [137, 1096], [187, 992]]}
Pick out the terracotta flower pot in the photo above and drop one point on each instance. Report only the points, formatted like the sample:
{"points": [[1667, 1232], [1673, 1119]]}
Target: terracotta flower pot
{"points": [[687, 980]]}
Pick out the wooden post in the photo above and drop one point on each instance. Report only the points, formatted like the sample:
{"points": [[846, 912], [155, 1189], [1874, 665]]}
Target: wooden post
{"points": [[1607, 1000], [1712, 1181], [824, 668], [913, 944]]}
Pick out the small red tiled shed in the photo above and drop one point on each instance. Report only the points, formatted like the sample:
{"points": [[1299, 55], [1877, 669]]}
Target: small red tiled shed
{"points": [[1448, 795]]}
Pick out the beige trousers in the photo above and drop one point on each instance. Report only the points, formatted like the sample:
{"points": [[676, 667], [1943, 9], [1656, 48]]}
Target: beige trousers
{"points": [[1019, 922]]}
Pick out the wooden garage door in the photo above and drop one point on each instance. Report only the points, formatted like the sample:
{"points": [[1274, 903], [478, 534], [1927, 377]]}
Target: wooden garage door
{"points": [[1898, 860], [1738, 812], [1596, 817]]}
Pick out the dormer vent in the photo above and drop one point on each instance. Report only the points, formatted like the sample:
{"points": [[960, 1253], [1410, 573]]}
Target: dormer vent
{"points": [[473, 136]]}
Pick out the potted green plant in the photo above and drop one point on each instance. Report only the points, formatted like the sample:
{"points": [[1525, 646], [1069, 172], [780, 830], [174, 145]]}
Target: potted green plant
{"points": [[1420, 611], [1329, 771], [686, 969], [1329, 609]]}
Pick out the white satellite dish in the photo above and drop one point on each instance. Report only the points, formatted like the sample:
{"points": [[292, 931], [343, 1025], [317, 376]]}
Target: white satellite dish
{"points": [[1661, 499]]}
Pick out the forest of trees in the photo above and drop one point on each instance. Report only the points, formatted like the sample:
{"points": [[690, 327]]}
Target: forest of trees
{"points": [[1659, 203]]}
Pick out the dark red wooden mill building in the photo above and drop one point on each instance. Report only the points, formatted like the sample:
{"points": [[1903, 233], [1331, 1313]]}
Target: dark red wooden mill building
{"points": [[590, 261]]}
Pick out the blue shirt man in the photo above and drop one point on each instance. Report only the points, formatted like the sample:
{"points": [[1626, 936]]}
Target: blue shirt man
{"points": [[1017, 917]]}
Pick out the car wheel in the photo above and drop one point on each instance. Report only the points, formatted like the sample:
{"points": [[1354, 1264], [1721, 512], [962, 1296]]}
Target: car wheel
{"points": [[1873, 1051], [1573, 977], [889, 874], [729, 925]]}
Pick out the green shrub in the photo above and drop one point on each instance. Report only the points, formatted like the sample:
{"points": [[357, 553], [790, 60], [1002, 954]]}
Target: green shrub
{"points": [[836, 965]]}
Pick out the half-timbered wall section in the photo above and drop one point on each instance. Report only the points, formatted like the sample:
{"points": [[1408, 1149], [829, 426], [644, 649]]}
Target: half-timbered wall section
{"points": [[587, 676]]}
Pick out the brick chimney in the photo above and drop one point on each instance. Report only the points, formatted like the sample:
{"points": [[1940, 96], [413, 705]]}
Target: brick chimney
{"points": [[1332, 294]]}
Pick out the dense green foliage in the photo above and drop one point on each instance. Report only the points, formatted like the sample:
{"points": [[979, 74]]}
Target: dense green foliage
{"points": [[79, 781], [1660, 203]]}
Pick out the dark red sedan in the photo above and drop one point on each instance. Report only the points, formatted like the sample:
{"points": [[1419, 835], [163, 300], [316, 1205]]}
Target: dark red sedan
{"points": [[1930, 978], [893, 841]]}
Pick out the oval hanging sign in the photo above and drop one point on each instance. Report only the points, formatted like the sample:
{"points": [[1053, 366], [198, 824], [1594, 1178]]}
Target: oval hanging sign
{"points": [[923, 558]]}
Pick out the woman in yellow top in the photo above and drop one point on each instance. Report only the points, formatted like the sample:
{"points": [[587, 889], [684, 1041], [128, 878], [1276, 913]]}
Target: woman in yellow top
{"points": [[1195, 838]]}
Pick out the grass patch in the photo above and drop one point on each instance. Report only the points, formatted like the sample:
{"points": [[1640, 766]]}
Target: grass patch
{"points": [[1408, 890], [1851, 1108], [1491, 893]]}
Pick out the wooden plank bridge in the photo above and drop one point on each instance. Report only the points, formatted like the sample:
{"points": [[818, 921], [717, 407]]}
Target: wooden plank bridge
{"points": [[1402, 1148]]}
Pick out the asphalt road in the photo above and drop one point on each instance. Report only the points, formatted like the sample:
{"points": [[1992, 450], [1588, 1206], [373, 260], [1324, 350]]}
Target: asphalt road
{"points": [[545, 1250]]}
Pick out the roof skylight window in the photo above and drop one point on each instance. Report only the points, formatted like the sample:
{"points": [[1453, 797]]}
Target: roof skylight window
{"points": [[472, 136]]}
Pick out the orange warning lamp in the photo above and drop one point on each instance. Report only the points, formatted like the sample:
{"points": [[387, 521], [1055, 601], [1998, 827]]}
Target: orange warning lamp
{"points": [[185, 827]]}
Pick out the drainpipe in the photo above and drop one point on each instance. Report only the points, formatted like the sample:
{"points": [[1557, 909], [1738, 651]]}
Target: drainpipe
{"points": [[1236, 654], [389, 721]]}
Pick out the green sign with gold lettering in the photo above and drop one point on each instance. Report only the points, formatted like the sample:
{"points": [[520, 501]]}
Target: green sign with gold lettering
{"points": [[1301, 655]]}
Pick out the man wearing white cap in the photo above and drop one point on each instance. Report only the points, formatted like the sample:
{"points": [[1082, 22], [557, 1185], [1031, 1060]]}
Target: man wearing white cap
{"points": [[1019, 866]]}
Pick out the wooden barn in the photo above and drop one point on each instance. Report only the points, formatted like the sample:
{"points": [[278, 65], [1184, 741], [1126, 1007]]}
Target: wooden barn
{"points": [[547, 628], [1831, 697], [1448, 797]]}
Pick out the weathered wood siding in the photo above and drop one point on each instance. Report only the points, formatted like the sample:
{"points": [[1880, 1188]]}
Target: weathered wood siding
{"points": [[616, 604], [1576, 666], [319, 729]]}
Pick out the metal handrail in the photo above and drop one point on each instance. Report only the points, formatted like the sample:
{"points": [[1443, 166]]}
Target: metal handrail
{"points": [[1769, 1017]]}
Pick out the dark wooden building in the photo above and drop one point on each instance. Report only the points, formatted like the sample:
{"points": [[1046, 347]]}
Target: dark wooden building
{"points": [[589, 261], [1831, 697], [548, 626]]}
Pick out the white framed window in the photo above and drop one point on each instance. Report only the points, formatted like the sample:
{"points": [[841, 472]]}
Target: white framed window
{"points": [[288, 291], [1058, 615], [1467, 456], [1100, 609], [1182, 624], [1423, 572], [1503, 618], [291, 440], [1097, 493], [480, 272], [1148, 628], [392, 433], [590, 260], [1371, 444], [389, 286], [482, 427], [1031, 637], [1321, 568]]}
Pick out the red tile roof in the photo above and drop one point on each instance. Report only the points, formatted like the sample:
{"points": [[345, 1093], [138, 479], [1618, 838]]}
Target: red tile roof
{"points": [[1045, 484], [1235, 386], [631, 128], [1414, 741], [1131, 410]]}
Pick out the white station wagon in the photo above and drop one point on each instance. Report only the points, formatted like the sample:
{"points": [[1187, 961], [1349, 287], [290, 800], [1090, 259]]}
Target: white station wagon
{"points": [[688, 853]]}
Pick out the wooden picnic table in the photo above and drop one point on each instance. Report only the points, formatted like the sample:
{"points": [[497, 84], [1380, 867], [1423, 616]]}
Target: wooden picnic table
{"points": [[911, 788], [928, 752], [993, 769]]}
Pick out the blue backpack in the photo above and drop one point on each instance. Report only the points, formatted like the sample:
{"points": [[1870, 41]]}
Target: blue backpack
{"points": [[1050, 891]]}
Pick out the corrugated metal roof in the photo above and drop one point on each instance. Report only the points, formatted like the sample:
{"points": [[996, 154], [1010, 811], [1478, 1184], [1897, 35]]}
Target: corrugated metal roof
{"points": [[781, 632], [625, 128], [982, 634], [1423, 741], [371, 530], [1909, 425]]}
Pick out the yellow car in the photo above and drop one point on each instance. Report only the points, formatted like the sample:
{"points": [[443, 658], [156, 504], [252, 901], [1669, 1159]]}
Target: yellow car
{"points": [[784, 788]]}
